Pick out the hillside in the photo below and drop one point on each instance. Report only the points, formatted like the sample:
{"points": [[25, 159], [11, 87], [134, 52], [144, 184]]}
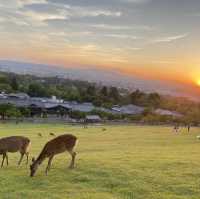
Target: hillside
{"points": [[100, 76]]}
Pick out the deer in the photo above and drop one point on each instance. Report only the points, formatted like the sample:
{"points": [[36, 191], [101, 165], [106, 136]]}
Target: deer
{"points": [[14, 144], [51, 134], [53, 147], [39, 134]]}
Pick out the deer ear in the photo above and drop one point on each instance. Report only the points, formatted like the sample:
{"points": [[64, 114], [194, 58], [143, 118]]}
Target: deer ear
{"points": [[33, 159]]}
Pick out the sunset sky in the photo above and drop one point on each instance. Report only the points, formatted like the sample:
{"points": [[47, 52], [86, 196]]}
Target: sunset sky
{"points": [[156, 39]]}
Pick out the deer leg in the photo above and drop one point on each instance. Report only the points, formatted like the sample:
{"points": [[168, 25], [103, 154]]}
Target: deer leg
{"points": [[7, 159], [21, 158], [4, 155], [73, 154], [49, 164], [27, 155]]}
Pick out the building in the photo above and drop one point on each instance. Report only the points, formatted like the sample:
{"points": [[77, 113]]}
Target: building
{"points": [[18, 96], [45, 106], [129, 109], [167, 113], [83, 107], [93, 119]]}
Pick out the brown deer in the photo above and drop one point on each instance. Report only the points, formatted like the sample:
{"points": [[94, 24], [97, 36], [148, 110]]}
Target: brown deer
{"points": [[55, 146], [14, 144], [39, 134], [51, 134]]}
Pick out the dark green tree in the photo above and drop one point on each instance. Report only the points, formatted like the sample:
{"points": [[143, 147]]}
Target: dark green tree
{"points": [[91, 90], [154, 100], [137, 97], [14, 83], [104, 91], [114, 94], [8, 110], [37, 90]]}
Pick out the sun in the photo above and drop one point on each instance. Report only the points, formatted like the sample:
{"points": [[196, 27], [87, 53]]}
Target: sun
{"points": [[198, 82]]}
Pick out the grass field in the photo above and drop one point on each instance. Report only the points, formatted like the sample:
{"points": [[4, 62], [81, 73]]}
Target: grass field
{"points": [[123, 162]]}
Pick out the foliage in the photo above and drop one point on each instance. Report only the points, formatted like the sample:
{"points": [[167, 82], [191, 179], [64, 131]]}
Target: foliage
{"points": [[99, 95], [14, 83], [37, 90], [77, 115], [9, 110]]}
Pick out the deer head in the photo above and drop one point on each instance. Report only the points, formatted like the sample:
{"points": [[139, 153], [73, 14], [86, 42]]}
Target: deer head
{"points": [[33, 167]]}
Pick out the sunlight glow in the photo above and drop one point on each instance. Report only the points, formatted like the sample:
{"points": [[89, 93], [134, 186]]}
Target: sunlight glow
{"points": [[198, 82]]}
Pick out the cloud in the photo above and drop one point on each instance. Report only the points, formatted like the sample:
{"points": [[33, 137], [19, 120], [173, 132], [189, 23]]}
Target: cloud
{"points": [[134, 1], [110, 27], [122, 36], [89, 47], [170, 38], [14, 4], [43, 16], [29, 2], [85, 12], [134, 48], [194, 14], [121, 27], [42, 13], [71, 34]]}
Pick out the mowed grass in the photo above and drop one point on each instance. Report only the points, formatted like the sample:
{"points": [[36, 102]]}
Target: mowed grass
{"points": [[123, 162]]}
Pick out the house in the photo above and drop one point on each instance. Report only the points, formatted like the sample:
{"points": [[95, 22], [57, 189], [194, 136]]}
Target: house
{"points": [[3, 95], [84, 107], [18, 96], [167, 113], [129, 109], [92, 119], [116, 109], [53, 99]]}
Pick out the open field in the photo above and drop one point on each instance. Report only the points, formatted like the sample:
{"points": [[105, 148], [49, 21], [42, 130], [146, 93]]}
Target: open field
{"points": [[123, 162]]}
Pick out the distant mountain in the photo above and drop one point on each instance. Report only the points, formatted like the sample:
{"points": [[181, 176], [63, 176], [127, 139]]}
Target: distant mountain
{"points": [[101, 76]]}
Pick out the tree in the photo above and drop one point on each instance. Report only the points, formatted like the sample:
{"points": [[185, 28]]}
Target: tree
{"points": [[114, 94], [14, 83], [13, 112], [26, 112], [91, 90], [9, 110], [138, 98], [97, 102], [4, 79], [37, 90], [77, 115], [154, 100], [5, 88], [104, 91]]}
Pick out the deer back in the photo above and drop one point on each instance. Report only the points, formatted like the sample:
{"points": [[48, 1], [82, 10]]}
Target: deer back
{"points": [[14, 144], [59, 144]]}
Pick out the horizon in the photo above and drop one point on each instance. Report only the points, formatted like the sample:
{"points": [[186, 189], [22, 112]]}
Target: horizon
{"points": [[133, 37], [100, 76]]}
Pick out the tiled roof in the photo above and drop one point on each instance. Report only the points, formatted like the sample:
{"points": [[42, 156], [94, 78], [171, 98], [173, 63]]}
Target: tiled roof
{"points": [[167, 112], [93, 117]]}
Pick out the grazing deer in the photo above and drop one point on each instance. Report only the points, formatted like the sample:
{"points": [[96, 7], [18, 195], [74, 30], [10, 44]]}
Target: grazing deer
{"points": [[51, 134], [39, 134], [14, 144], [55, 146]]}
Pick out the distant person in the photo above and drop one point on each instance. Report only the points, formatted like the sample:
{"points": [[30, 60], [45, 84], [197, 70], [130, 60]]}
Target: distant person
{"points": [[85, 124], [176, 128]]}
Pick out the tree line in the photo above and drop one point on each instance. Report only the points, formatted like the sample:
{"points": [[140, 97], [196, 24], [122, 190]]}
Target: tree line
{"points": [[99, 95]]}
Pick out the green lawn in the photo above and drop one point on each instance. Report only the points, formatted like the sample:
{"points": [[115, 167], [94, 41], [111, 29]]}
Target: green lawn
{"points": [[123, 162]]}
